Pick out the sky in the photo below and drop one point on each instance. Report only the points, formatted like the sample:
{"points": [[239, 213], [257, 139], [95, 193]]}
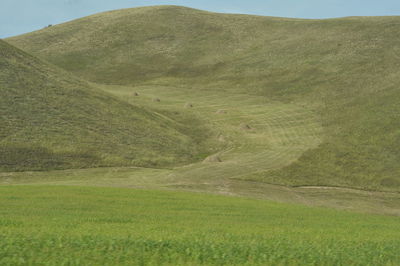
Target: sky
{"points": [[21, 16]]}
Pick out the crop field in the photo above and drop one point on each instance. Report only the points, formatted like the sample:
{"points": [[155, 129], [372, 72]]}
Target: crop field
{"points": [[47, 225]]}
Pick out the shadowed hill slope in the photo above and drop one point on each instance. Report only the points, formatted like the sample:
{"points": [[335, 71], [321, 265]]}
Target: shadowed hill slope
{"points": [[51, 120], [347, 70]]}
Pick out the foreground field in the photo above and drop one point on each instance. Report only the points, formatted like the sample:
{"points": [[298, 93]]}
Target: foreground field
{"points": [[49, 225]]}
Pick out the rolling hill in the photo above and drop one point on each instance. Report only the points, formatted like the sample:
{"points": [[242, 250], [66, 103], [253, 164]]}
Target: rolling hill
{"points": [[51, 120], [272, 113], [341, 73]]}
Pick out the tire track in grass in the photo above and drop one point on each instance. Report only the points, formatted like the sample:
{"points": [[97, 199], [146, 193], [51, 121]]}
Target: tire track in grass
{"points": [[280, 134]]}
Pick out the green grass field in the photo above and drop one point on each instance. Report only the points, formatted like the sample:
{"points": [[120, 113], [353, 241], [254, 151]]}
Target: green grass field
{"points": [[118, 130], [45, 225]]}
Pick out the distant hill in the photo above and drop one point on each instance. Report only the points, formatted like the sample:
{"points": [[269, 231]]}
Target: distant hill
{"points": [[51, 120], [347, 70]]}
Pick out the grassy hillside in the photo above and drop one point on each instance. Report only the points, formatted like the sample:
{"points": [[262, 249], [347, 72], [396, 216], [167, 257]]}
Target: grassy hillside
{"points": [[345, 71], [51, 120], [44, 225]]}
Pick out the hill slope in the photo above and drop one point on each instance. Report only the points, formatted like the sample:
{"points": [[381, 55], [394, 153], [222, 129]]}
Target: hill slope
{"points": [[346, 70], [51, 120]]}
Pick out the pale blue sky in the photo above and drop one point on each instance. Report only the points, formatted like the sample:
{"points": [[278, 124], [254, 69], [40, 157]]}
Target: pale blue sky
{"points": [[20, 16]]}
